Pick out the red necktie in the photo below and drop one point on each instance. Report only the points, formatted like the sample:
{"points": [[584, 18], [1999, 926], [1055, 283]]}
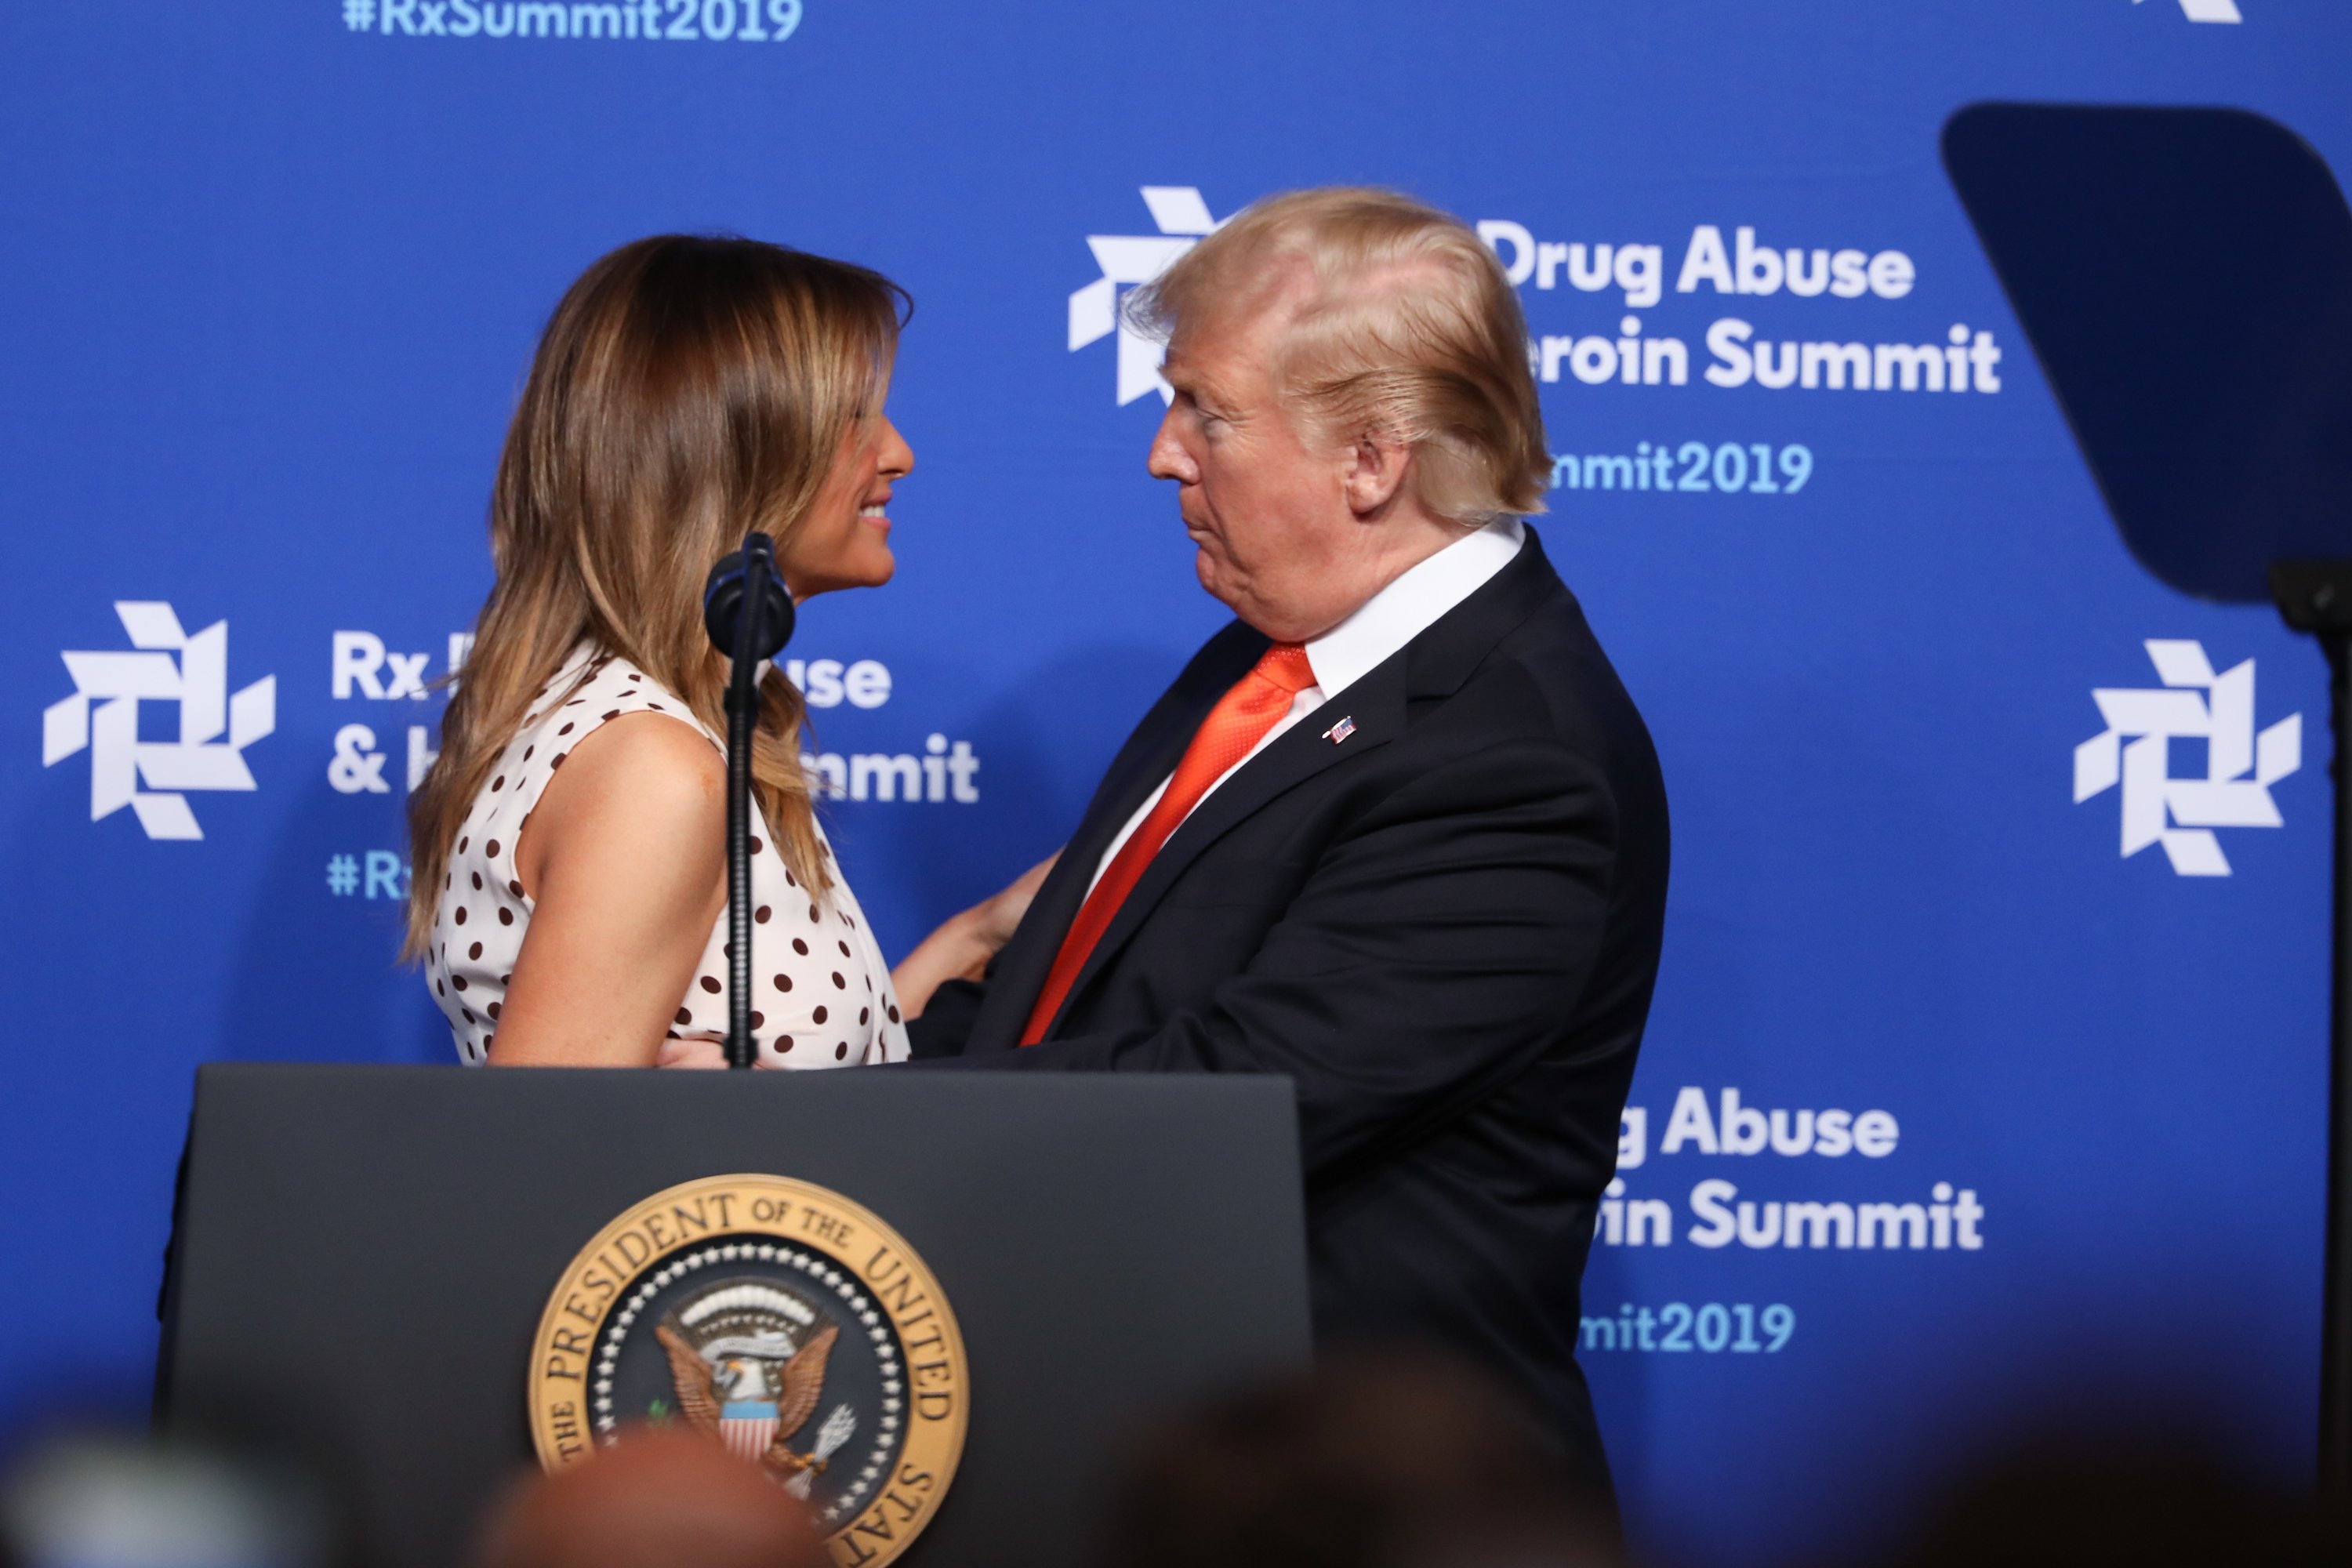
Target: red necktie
{"points": [[1258, 703]]}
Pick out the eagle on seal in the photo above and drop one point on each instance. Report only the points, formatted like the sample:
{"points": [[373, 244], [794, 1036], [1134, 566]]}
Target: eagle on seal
{"points": [[747, 1397]]}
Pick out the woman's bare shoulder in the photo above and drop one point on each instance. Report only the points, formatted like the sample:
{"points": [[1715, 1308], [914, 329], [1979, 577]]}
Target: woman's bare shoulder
{"points": [[644, 784], [663, 760]]}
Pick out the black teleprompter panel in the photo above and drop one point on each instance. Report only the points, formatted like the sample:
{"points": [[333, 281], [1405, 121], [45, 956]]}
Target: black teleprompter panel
{"points": [[363, 1254]]}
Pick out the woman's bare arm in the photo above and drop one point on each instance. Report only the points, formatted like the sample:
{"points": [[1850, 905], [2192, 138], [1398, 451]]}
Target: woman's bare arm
{"points": [[625, 859], [962, 945]]}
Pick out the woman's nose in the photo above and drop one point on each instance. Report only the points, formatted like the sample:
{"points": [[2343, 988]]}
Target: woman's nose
{"points": [[898, 457]]}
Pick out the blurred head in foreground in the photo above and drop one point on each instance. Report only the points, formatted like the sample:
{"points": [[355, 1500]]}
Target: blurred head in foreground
{"points": [[2103, 1502], [656, 1500], [1387, 1457], [100, 1502]]}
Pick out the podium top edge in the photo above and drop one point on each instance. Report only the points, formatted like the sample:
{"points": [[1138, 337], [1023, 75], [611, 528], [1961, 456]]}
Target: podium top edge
{"points": [[237, 1074]]}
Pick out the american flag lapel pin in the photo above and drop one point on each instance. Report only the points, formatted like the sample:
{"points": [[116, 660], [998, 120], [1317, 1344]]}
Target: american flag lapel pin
{"points": [[1341, 731]]}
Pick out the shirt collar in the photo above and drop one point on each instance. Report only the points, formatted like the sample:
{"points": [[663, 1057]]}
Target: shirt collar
{"points": [[1412, 605]]}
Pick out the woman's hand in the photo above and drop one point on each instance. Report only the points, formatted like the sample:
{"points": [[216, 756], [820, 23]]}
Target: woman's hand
{"points": [[699, 1052], [994, 920], [962, 946]]}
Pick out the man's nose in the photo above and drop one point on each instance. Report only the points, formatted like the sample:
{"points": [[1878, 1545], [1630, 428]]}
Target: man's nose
{"points": [[1168, 460]]}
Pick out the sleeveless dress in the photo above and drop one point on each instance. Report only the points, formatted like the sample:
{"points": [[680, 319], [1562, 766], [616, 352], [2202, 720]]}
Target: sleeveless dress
{"points": [[821, 996]]}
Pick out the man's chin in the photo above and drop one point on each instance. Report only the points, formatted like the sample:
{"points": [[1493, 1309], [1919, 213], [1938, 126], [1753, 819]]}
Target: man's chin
{"points": [[1226, 593], [1213, 581]]}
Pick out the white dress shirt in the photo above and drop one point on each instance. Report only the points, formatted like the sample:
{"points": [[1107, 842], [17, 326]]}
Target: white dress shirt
{"points": [[1376, 632]]}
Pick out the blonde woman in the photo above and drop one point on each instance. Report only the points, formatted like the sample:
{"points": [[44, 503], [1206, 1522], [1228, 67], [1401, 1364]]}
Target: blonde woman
{"points": [[570, 886]]}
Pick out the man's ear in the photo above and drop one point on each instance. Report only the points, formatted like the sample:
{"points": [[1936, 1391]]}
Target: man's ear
{"points": [[1377, 468]]}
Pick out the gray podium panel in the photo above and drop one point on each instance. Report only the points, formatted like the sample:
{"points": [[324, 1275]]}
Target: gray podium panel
{"points": [[363, 1255]]}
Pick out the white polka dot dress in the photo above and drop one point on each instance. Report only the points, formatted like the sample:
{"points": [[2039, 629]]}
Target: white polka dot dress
{"points": [[822, 994]]}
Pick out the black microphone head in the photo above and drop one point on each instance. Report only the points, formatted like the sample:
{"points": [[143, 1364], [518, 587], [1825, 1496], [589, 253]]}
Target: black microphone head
{"points": [[723, 599]]}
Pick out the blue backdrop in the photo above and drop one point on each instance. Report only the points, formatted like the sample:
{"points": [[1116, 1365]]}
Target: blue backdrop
{"points": [[271, 274]]}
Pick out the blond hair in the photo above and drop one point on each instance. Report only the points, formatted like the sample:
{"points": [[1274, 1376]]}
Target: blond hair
{"points": [[1409, 332], [687, 390]]}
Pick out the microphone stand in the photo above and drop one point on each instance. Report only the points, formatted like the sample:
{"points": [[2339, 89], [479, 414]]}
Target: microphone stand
{"points": [[748, 613], [742, 720], [2315, 596]]}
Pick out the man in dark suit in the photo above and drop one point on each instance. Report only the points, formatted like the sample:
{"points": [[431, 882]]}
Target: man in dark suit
{"points": [[1397, 831]]}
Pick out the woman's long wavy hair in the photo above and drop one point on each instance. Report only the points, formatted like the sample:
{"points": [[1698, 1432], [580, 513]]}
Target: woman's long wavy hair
{"points": [[687, 391]]}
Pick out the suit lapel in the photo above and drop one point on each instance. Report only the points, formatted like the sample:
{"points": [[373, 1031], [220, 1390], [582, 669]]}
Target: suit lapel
{"points": [[1375, 707], [1151, 754], [1431, 666]]}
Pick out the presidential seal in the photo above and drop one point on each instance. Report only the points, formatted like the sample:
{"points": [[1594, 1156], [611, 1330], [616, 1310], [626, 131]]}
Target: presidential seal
{"points": [[777, 1319]]}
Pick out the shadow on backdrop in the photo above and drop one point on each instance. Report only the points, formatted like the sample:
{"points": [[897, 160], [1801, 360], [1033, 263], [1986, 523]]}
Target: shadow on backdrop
{"points": [[2185, 275]]}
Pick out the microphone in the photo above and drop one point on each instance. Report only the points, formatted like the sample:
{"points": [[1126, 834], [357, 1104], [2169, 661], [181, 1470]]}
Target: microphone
{"points": [[747, 612], [723, 599]]}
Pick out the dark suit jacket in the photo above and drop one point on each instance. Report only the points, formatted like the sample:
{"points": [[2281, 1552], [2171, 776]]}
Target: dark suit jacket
{"points": [[1444, 928]]}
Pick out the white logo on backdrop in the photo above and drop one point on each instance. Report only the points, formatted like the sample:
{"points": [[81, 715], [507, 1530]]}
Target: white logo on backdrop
{"points": [[2193, 703], [1127, 259], [116, 683], [2209, 10]]}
